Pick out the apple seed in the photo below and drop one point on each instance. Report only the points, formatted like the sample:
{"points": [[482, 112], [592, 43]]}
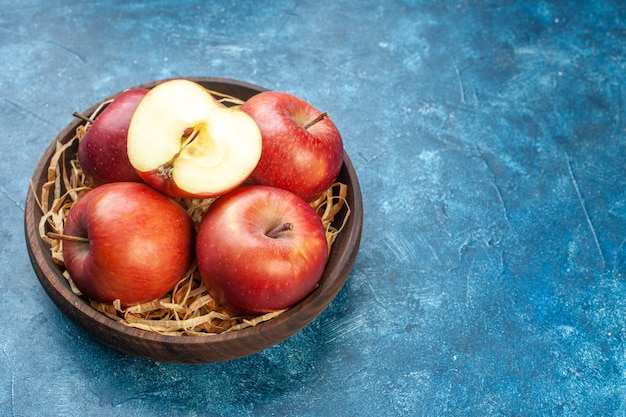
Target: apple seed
{"points": [[189, 135], [187, 132]]}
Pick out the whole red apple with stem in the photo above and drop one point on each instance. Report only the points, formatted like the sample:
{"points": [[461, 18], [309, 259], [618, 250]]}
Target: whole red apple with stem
{"points": [[260, 249], [302, 148], [102, 152], [126, 241], [185, 143]]}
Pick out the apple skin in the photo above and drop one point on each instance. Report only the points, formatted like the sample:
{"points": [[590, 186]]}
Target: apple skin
{"points": [[305, 161], [140, 243], [102, 152], [250, 272]]}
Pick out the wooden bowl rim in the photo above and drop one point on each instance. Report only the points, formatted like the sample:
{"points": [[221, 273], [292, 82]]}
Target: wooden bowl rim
{"points": [[79, 310]]}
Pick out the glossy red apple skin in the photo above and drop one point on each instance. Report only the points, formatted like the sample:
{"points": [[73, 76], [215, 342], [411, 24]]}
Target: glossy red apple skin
{"points": [[250, 272], [303, 161], [102, 152], [140, 243]]}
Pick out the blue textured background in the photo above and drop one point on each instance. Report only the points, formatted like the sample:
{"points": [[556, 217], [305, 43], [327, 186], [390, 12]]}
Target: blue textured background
{"points": [[490, 141]]}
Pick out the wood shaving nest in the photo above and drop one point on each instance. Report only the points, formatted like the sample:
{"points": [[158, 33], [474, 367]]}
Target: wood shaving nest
{"points": [[188, 309]]}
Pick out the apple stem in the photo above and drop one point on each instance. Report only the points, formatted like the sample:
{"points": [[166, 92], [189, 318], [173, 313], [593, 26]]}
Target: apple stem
{"points": [[69, 238], [319, 118], [82, 117], [285, 227]]}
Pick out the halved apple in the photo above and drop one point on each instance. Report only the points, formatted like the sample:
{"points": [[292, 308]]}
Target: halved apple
{"points": [[185, 143]]}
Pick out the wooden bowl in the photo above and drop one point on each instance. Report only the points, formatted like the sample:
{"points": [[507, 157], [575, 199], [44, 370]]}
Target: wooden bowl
{"points": [[192, 349]]}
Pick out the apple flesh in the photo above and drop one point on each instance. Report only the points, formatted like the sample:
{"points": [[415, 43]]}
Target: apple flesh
{"points": [[260, 249], [185, 143], [126, 241], [302, 147], [102, 152]]}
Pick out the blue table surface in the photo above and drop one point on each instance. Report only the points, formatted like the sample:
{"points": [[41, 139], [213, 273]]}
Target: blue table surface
{"points": [[489, 138]]}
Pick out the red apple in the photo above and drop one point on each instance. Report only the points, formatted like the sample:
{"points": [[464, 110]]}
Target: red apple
{"points": [[126, 241], [302, 148], [102, 152], [185, 143], [260, 249]]}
